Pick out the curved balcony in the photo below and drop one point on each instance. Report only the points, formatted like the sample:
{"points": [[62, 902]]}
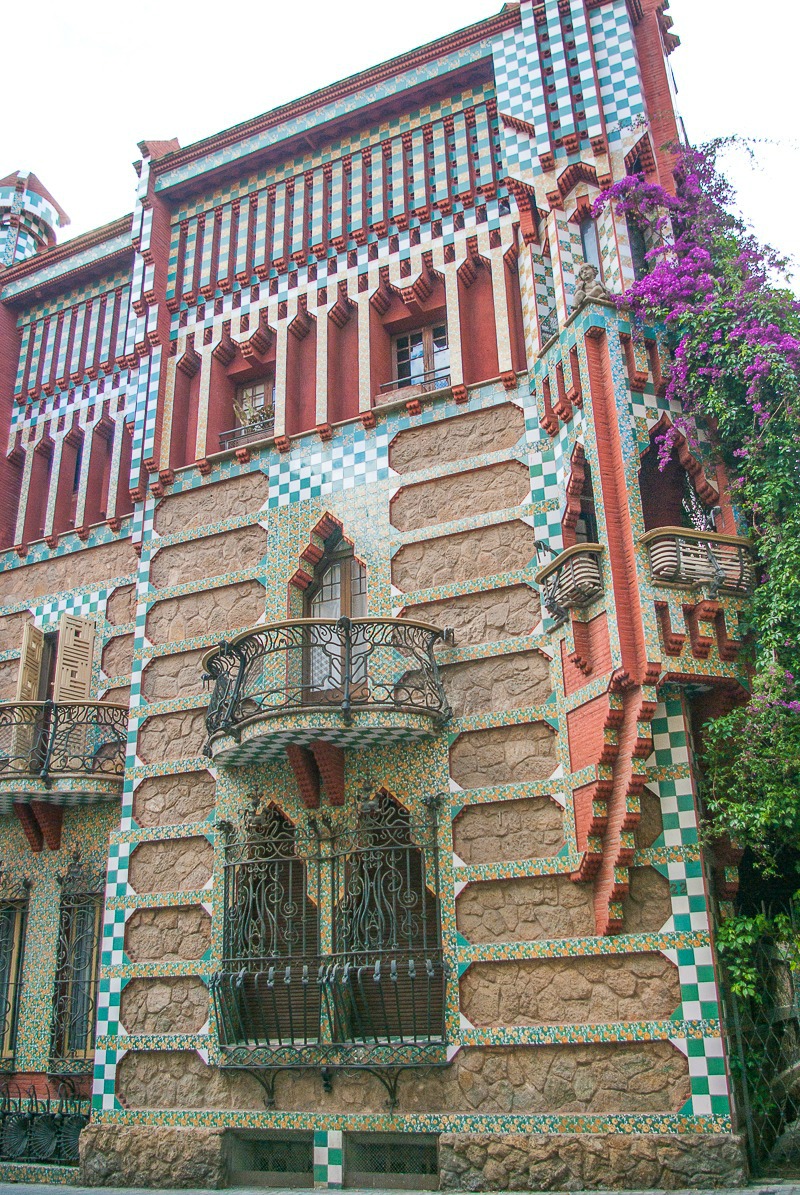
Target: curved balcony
{"points": [[704, 559], [571, 581], [61, 752], [352, 682]]}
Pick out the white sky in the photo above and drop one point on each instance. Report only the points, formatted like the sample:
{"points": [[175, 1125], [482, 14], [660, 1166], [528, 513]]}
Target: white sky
{"points": [[103, 76]]}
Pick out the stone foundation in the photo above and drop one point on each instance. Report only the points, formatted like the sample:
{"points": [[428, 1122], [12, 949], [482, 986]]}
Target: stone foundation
{"points": [[579, 1162], [119, 1156]]}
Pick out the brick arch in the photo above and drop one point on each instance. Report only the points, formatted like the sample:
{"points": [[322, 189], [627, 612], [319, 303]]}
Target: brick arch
{"points": [[314, 551], [686, 458]]}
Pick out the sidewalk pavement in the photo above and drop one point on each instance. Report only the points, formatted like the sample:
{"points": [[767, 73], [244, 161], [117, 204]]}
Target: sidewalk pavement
{"points": [[778, 1187]]}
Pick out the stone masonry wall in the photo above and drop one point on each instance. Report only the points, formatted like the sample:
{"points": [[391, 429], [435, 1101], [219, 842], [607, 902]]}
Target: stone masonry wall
{"points": [[176, 934], [649, 1077], [478, 492], [570, 991], [177, 1005], [502, 683], [463, 557], [525, 910], [531, 828], [458, 439], [211, 503], [174, 865], [571, 1162], [484, 617], [503, 755], [230, 607], [173, 799]]}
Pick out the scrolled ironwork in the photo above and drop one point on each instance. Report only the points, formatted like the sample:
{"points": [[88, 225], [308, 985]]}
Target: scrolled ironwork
{"points": [[48, 739], [345, 664], [41, 1128], [332, 958], [76, 985]]}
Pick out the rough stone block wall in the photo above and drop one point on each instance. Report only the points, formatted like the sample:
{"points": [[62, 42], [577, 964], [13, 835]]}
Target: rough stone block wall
{"points": [[168, 935]]}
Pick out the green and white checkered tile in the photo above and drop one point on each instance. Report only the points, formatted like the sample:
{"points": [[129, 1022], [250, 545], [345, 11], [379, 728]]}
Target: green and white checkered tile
{"points": [[328, 1159], [82, 605], [105, 1069], [118, 860], [112, 951], [709, 1082], [108, 1003], [323, 470]]}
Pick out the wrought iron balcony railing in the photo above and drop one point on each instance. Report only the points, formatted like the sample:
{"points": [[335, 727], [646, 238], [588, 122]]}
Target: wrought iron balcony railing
{"points": [[571, 581], [342, 666], [683, 556], [259, 429], [420, 383], [34, 1128], [47, 740]]}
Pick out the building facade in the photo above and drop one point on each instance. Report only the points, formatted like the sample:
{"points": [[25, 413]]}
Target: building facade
{"points": [[353, 647]]}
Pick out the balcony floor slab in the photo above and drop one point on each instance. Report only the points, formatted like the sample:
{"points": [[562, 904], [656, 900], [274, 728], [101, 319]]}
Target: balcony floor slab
{"points": [[266, 738]]}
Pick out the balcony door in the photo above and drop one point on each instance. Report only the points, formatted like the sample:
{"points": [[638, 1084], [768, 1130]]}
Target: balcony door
{"points": [[57, 667], [340, 591]]}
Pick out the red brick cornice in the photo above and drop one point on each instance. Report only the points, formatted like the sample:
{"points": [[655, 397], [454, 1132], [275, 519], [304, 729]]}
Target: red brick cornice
{"points": [[58, 253]]}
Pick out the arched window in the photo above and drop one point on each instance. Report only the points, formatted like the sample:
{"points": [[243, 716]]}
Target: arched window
{"points": [[669, 495], [339, 590]]}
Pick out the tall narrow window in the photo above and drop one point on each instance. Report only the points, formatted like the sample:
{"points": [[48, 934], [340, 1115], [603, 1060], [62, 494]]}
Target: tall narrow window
{"points": [[388, 974], [591, 245], [586, 525], [13, 919], [422, 357], [638, 247], [255, 405], [75, 1002], [339, 591]]}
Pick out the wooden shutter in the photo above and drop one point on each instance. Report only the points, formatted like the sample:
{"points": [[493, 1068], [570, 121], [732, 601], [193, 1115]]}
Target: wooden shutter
{"points": [[73, 679], [30, 664]]}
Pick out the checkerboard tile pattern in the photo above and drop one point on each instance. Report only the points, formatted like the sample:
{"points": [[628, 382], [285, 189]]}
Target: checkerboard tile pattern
{"points": [[617, 68], [316, 472], [690, 913], [328, 1159]]}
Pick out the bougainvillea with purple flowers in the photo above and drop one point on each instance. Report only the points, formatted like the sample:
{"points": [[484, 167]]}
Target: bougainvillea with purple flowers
{"points": [[733, 327]]}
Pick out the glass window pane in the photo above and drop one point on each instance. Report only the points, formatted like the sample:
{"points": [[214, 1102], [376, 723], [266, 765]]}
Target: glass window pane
{"points": [[410, 352]]}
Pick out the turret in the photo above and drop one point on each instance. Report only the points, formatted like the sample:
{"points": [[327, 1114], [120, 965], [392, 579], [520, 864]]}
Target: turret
{"points": [[29, 217]]}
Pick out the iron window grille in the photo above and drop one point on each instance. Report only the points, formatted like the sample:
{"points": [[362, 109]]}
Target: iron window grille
{"points": [[75, 997], [332, 943], [391, 1160], [13, 923]]}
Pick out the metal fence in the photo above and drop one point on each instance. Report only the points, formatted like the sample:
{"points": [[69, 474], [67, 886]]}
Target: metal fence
{"points": [[764, 1052], [36, 1128]]}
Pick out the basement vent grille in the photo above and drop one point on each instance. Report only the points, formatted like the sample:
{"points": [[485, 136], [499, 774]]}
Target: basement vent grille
{"points": [[397, 1160], [282, 1160]]}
